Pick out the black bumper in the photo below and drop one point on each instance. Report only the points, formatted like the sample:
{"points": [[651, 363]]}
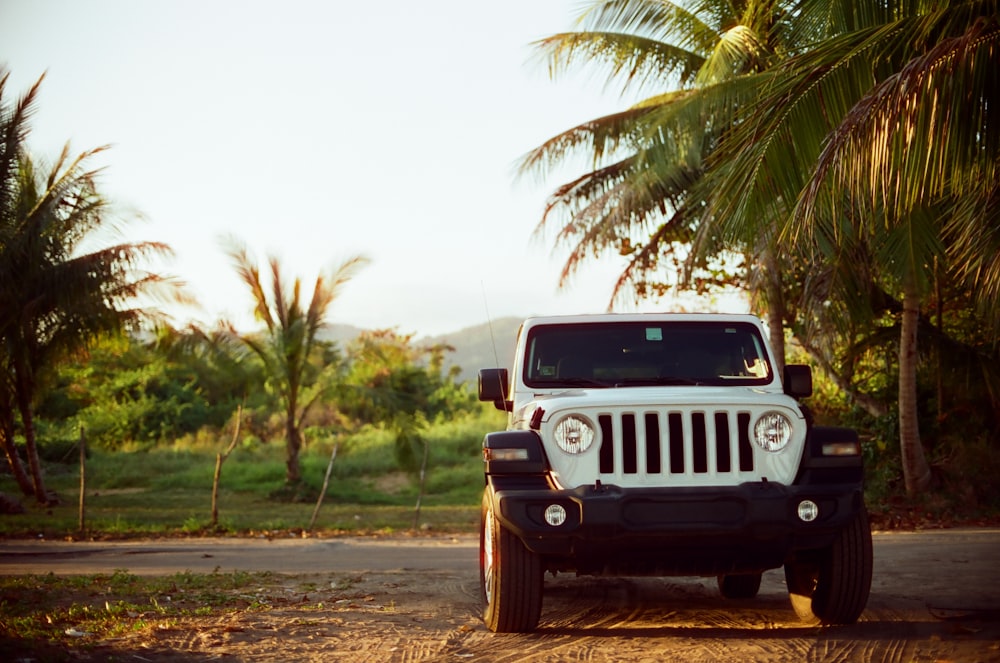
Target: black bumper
{"points": [[675, 531]]}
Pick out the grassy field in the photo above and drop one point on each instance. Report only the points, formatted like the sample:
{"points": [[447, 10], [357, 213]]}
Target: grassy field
{"points": [[168, 491]]}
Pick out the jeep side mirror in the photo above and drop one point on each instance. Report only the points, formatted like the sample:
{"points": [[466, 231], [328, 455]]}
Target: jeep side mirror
{"points": [[493, 384], [798, 380]]}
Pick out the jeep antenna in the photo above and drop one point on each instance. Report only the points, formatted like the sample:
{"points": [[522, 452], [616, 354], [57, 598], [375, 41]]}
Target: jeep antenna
{"points": [[489, 321]]}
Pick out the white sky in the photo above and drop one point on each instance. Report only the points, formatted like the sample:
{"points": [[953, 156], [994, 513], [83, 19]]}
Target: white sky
{"points": [[314, 130]]}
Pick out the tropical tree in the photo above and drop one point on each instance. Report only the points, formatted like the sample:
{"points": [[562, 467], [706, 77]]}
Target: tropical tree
{"points": [[131, 391], [54, 297], [13, 131], [641, 198], [779, 143], [289, 345], [403, 386], [222, 367], [893, 118]]}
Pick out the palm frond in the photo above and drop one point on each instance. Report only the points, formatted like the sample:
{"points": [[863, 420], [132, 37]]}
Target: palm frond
{"points": [[921, 133], [638, 63], [760, 166], [328, 287], [248, 272], [14, 128], [596, 140], [660, 20], [972, 231], [739, 50], [818, 20]]}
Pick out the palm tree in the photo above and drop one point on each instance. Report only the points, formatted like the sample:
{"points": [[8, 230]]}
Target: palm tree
{"points": [[53, 298], [759, 133], [893, 118], [13, 129], [289, 343], [642, 198]]}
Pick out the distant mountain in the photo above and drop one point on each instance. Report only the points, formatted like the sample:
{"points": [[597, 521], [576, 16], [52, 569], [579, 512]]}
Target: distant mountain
{"points": [[340, 334], [487, 345]]}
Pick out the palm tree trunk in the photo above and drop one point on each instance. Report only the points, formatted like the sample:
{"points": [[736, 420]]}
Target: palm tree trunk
{"points": [[423, 485], [13, 460], [34, 464], [939, 346], [916, 472], [293, 444], [22, 392]]}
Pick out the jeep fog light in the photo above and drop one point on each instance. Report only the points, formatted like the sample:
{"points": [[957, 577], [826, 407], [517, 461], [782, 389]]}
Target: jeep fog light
{"points": [[555, 515], [574, 434], [772, 431], [808, 511]]}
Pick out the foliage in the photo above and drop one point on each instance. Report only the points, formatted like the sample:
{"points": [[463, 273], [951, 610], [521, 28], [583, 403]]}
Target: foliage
{"points": [[642, 199], [57, 292], [166, 490], [890, 114], [122, 393], [846, 151], [300, 368], [962, 445], [133, 393], [402, 386]]}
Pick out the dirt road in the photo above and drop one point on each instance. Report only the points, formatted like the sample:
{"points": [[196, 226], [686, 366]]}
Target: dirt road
{"points": [[290, 555], [935, 597]]}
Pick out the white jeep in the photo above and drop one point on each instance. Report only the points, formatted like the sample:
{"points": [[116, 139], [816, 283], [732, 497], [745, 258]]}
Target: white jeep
{"points": [[664, 444]]}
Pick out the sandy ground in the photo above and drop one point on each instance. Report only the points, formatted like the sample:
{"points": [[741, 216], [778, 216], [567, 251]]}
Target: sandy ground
{"points": [[935, 598]]}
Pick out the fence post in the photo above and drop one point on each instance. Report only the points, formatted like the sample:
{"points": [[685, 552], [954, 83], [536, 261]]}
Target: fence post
{"points": [[83, 480], [326, 483], [220, 458]]}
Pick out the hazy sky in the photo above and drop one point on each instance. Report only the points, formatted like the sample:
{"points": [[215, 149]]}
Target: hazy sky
{"points": [[313, 130]]}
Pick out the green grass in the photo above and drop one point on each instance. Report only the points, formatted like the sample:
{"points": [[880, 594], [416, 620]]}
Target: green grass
{"points": [[167, 491]]}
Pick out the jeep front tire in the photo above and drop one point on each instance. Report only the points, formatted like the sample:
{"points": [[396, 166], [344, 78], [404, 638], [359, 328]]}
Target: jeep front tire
{"points": [[831, 586], [510, 576]]}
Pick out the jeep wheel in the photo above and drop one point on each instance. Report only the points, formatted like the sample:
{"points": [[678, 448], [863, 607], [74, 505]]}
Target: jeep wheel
{"points": [[831, 586], [742, 586], [510, 576]]}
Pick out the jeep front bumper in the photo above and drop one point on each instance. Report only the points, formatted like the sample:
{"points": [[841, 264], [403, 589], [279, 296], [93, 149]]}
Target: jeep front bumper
{"points": [[675, 531]]}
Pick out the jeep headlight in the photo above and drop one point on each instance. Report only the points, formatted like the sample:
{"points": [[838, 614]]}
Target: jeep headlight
{"points": [[574, 434], [772, 431]]}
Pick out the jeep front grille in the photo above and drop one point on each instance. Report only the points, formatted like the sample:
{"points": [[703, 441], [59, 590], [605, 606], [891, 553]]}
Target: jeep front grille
{"points": [[671, 442]]}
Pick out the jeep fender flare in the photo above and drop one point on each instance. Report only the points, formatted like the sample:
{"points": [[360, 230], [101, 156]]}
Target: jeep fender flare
{"points": [[514, 452]]}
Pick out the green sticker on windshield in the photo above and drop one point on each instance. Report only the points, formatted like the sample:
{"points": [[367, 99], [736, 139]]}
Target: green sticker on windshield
{"points": [[654, 334]]}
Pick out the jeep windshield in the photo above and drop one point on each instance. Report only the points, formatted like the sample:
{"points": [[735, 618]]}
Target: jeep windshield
{"points": [[622, 354]]}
